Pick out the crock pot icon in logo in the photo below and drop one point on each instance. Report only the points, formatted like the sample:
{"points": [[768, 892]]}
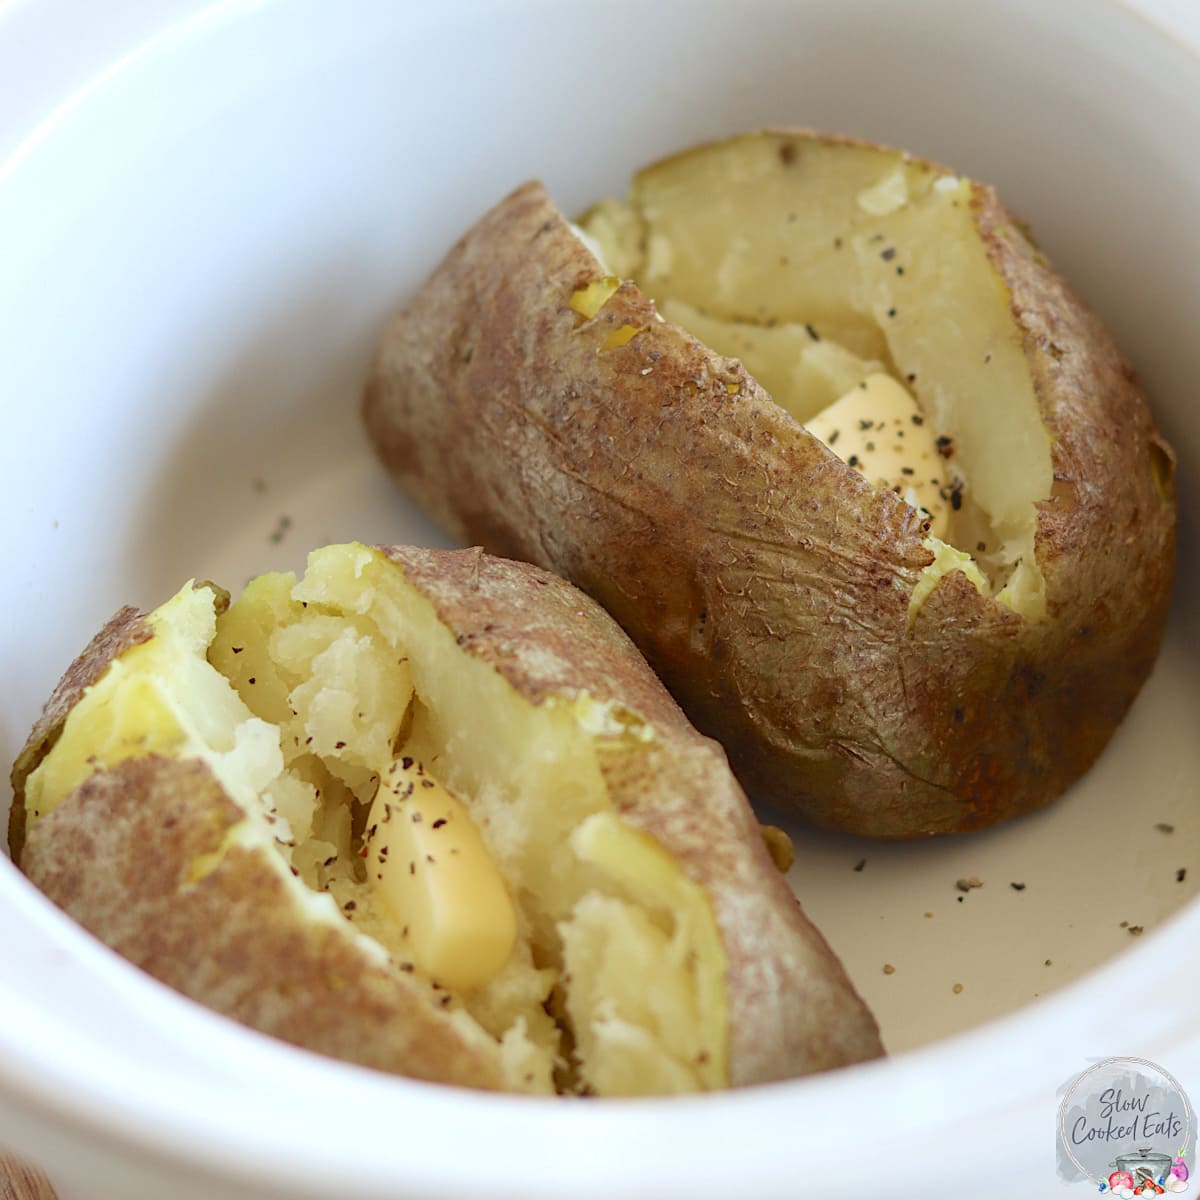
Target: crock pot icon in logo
{"points": [[1126, 1125]]}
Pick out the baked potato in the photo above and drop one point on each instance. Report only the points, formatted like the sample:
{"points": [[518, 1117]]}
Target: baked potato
{"points": [[898, 529], [430, 812]]}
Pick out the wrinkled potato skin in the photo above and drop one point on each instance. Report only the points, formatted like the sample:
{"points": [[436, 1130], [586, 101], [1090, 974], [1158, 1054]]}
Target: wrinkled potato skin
{"points": [[766, 581], [116, 855]]}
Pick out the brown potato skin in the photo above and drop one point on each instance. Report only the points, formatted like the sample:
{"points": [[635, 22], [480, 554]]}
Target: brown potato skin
{"points": [[792, 1010], [763, 579], [116, 855], [124, 630]]}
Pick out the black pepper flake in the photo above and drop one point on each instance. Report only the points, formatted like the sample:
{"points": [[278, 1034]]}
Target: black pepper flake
{"points": [[417, 818], [1163, 827], [439, 822], [987, 358], [350, 905], [1017, 887], [917, 419], [1181, 875], [907, 471], [251, 680], [870, 447], [387, 812], [911, 377], [899, 270], [406, 763], [404, 931], [427, 783], [959, 899], [960, 714], [980, 547], [891, 312], [339, 745], [862, 862], [865, 424], [812, 333], [445, 1001], [429, 858], [412, 868], [852, 460], [237, 649], [330, 861], [965, 885], [833, 437], [406, 967], [837, 243], [956, 495], [888, 254], [1136, 930], [373, 830]]}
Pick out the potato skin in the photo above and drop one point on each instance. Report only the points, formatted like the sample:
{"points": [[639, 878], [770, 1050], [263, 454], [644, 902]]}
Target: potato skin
{"points": [[117, 855], [792, 1009], [124, 630], [764, 580]]}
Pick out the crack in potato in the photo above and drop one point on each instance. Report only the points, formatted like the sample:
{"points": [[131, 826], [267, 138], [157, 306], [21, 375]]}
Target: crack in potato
{"points": [[770, 259]]}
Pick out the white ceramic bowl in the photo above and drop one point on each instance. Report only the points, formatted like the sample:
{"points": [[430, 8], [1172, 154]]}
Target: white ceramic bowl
{"points": [[207, 212]]}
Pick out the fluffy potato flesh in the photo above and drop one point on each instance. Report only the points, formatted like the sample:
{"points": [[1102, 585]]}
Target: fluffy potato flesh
{"points": [[821, 264], [332, 707]]}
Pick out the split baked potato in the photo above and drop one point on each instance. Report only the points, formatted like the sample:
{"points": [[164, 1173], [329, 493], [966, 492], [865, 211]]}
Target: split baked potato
{"points": [[876, 495], [430, 812]]}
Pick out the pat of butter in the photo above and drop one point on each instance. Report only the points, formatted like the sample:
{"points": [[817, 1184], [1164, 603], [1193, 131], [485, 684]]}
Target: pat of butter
{"points": [[428, 864], [878, 428]]}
